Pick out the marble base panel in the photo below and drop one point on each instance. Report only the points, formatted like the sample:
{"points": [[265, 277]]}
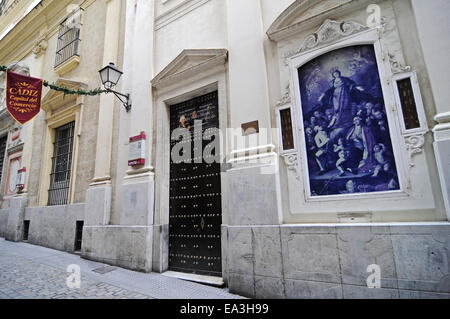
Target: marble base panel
{"points": [[124, 246], [14, 222], [331, 261], [54, 226]]}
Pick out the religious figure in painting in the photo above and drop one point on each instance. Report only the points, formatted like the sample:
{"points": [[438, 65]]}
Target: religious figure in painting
{"points": [[344, 154], [382, 160], [338, 97], [362, 141], [321, 140], [347, 134]]}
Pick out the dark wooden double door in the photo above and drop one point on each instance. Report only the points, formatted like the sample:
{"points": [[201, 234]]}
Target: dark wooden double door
{"points": [[195, 210]]}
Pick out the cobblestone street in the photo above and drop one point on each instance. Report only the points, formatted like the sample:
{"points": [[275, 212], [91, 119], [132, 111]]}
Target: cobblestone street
{"points": [[34, 272]]}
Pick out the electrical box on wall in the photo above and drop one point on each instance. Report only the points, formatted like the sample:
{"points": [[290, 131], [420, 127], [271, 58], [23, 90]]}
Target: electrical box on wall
{"points": [[136, 155]]}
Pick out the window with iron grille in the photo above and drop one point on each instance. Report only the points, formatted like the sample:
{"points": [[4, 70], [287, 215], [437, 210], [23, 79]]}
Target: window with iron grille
{"points": [[68, 38], [2, 154], [61, 165]]}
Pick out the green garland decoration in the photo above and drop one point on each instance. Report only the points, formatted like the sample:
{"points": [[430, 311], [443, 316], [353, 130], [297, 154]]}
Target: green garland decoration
{"points": [[66, 90]]}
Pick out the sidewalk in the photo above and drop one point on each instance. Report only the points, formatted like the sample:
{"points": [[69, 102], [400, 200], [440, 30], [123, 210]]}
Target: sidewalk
{"points": [[35, 272]]}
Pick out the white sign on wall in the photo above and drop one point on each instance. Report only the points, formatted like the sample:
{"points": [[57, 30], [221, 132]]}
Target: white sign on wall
{"points": [[137, 150], [20, 179]]}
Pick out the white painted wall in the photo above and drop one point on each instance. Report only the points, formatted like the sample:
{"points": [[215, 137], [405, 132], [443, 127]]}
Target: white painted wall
{"points": [[257, 78], [433, 27], [204, 26]]}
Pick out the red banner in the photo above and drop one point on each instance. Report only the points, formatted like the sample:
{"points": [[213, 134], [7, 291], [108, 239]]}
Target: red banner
{"points": [[23, 96]]}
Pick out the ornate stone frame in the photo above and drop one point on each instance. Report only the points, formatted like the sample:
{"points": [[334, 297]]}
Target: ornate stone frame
{"points": [[412, 75], [193, 73], [353, 34], [333, 35], [15, 155], [414, 138], [329, 32], [60, 110], [280, 139]]}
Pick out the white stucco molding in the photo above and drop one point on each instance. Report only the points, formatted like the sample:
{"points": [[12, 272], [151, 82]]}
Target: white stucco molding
{"points": [[291, 161], [442, 129], [329, 32], [53, 100], [286, 98], [304, 14], [282, 26], [396, 66], [177, 12], [189, 63], [414, 145], [40, 45], [442, 117]]}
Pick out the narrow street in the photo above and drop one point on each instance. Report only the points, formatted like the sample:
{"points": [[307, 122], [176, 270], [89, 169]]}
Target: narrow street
{"points": [[34, 272]]}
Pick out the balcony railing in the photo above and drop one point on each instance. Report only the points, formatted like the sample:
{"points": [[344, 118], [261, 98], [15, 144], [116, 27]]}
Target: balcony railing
{"points": [[68, 38]]}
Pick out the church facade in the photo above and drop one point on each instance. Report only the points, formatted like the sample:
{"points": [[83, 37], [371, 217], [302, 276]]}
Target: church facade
{"points": [[286, 149]]}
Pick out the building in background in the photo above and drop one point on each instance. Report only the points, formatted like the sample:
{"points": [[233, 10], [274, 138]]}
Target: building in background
{"points": [[63, 43], [332, 118]]}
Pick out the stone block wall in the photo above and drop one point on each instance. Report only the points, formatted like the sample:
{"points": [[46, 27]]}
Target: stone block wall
{"points": [[330, 261], [50, 226], [3, 221], [54, 226], [124, 246]]}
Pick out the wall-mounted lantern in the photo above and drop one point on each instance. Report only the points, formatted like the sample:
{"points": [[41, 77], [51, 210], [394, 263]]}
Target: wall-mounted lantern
{"points": [[110, 75]]}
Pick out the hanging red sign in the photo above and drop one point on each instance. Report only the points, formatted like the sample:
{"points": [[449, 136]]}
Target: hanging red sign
{"points": [[23, 96]]}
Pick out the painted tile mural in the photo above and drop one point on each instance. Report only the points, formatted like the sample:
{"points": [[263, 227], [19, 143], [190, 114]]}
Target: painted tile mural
{"points": [[349, 148]]}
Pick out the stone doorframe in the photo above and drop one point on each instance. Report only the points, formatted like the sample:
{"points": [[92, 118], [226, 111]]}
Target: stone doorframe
{"points": [[193, 73]]}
